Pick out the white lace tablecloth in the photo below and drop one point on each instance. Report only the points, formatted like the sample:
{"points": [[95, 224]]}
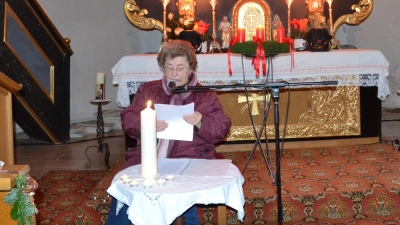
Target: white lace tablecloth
{"points": [[351, 67], [200, 182]]}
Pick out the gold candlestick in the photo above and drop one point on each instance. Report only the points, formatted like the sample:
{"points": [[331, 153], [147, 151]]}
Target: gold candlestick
{"points": [[288, 2], [330, 15], [165, 3], [213, 3]]}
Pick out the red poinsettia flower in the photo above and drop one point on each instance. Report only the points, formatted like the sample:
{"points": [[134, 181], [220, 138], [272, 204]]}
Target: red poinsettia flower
{"points": [[300, 28], [303, 24], [201, 27], [295, 23]]}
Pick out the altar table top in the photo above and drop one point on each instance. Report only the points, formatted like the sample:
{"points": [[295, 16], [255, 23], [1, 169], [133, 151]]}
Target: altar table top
{"points": [[352, 67], [199, 181]]}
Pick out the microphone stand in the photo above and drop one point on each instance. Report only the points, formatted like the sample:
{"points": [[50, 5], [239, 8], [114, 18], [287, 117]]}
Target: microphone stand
{"points": [[275, 89]]}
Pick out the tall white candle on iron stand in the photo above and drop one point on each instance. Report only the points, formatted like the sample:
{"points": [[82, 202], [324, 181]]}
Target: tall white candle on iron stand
{"points": [[148, 142], [100, 86]]}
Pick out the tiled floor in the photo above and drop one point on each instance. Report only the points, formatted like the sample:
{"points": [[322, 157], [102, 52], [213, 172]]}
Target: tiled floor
{"points": [[43, 158]]}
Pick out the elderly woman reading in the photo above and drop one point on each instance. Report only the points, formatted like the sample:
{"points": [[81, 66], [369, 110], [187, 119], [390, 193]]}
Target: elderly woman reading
{"points": [[177, 61]]}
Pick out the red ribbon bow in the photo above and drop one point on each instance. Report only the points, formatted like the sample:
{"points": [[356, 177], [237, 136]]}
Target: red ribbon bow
{"points": [[231, 43], [289, 41], [260, 55]]}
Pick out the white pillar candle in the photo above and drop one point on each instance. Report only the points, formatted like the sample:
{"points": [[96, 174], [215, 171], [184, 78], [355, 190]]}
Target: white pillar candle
{"points": [[148, 142], [100, 78]]}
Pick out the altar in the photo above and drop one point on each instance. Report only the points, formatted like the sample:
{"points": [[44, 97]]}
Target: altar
{"points": [[352, 109]]}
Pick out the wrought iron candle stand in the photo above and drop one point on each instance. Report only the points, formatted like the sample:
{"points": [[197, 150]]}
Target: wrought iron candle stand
{"points": [[99, 134]]}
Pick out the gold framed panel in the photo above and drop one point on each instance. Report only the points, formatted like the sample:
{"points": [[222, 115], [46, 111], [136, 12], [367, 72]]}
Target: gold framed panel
{"points": [[10, 13], [250, 14], [313, 113]]}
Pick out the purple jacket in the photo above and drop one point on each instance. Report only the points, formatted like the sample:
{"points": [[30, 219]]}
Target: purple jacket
{"points": [[215, 124]]}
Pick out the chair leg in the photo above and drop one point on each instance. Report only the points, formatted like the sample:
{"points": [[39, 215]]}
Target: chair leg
{"points": [[179, 221], [222, 215]]}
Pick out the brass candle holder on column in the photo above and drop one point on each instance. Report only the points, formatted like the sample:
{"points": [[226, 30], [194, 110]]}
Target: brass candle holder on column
{"points": [[330, 16], [213, 3], [165, 3], [288, 2], [214, 44]]}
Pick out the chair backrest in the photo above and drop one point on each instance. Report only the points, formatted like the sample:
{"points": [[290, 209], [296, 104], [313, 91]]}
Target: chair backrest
{"points": [[250, 14]]}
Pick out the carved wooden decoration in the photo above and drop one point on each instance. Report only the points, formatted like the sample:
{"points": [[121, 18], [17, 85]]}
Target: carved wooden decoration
{"points": [[362, 11]]}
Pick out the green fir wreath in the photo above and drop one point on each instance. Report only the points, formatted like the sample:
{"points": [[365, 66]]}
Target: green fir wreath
{"points": [[250, 47], [22, 207]]}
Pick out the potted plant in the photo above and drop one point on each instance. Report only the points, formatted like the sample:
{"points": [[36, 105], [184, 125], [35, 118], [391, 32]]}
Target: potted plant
{"points": [[299, 28], [299, 33]]}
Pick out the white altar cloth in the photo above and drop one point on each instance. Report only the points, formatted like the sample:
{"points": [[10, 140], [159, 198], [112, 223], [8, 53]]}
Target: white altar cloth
{"points": [[352, 67], [163, 204]]}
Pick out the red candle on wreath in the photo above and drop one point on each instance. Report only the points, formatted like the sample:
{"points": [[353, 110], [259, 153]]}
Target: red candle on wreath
{"points": [[241, 35], [280, 34], [260, 32]]}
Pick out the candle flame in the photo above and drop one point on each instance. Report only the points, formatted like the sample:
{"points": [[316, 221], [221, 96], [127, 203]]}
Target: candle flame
{"points": [[148, 104]]}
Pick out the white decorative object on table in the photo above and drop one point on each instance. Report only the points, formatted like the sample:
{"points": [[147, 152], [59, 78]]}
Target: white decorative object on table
{"points": [[148, 183], [123, 177], [299, 44], [170, 177], [204, 47], [134, 183], [148, 142], [161, 182], [127, 180]]}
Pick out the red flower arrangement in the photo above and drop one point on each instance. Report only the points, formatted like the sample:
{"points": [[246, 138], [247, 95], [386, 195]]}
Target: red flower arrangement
{"points": [[300, 28]]}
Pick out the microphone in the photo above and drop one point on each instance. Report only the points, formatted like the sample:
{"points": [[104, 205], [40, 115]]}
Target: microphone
{"points": [[171, 84]]}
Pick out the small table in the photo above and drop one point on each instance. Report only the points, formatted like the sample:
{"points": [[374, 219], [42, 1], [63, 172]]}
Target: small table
{"points": [[100, 133], [196, 181]]}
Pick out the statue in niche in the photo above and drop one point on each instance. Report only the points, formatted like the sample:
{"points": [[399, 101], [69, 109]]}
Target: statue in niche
{"points": [[187, 10], [275, 24], [225, 28]]}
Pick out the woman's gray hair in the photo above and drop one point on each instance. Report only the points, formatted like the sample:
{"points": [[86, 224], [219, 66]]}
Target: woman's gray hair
{"points": [[175, 48]]}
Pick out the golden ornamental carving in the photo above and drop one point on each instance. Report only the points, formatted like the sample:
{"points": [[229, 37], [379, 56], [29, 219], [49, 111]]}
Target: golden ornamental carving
{"points": [[136, 17], [331, 113], [362, 10], [252, 15]]}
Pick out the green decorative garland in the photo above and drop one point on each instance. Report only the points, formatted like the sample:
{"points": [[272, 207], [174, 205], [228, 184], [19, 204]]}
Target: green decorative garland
{"points": [[250, 47], [22, 207]]}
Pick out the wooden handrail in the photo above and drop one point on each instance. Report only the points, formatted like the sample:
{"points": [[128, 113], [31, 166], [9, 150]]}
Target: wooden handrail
{"points": [[9, 84]]}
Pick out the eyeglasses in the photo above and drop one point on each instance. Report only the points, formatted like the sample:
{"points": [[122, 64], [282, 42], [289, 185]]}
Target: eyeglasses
{"points": [[178, 69]]}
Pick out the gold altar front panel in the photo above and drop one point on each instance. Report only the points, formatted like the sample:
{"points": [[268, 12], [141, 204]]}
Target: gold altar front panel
{"points": [[313, 113]]}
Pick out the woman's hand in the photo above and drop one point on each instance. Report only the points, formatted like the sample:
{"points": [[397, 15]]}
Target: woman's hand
{"points": [[193, 119], [161, 125]]}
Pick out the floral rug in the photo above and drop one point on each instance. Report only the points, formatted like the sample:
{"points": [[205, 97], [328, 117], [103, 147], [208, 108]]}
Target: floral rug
{"points": [[336, 185]]}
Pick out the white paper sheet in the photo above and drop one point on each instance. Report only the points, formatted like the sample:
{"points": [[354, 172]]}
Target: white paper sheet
{"points": [[207, 167], [177, 129]]}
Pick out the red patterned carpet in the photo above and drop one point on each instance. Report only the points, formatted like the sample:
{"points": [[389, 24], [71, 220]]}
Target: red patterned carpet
{"points": [[60, 193], [336, 185]]}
